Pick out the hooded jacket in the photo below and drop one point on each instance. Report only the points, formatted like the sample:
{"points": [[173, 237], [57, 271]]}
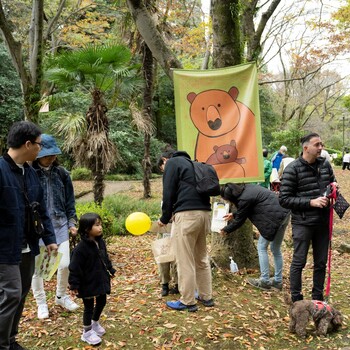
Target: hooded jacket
{"points": [[90, 268], [257, 204]]}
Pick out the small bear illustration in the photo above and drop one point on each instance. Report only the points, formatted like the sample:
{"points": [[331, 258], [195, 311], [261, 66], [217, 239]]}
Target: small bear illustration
{"points": [[225, 154]]}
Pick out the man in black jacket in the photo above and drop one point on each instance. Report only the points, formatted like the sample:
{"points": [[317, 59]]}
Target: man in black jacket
{"points": [[303, 191], [190, 213]]}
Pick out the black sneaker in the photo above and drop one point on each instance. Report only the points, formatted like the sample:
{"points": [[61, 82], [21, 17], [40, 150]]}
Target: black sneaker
{"points": [[258, 283], [165, 289], [174, 290], [276, 285], [207, 303], [16, 346]]}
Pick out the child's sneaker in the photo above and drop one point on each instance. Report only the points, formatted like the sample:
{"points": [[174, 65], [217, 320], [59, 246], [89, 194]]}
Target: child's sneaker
{"points": [[91, 337], [99, 330]]}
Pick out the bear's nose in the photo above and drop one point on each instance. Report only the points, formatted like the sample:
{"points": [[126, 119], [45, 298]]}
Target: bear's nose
{"points": [[215, 125], [213, 117]]}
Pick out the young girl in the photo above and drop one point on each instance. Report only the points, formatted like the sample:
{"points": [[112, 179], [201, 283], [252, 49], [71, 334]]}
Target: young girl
{"points": [[90, 273]]}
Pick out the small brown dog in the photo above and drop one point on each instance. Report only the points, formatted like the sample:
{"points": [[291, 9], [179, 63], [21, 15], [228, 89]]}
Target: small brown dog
{"points": [[325, 317]]}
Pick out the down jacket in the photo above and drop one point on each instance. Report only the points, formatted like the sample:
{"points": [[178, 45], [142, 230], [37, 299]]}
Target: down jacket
{"points": [[90, 268], [302, 182], [257, 204]]}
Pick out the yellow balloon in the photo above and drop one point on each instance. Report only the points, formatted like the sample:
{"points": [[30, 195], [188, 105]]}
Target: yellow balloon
{"points": [[138, 223]]}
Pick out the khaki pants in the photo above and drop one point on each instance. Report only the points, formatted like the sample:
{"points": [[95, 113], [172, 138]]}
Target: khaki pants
{"points": [[167, 271], [189, 230]]}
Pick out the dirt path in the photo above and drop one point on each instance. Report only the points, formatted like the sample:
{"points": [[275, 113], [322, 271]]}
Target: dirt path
{"points": [[112, 187]]}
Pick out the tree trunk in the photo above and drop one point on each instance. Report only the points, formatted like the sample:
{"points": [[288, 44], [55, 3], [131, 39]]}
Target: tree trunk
{"points": [[238, 245], [252, 36], [147, 114], [227, 43], [31, 78], [148, 30], [99, 185]]}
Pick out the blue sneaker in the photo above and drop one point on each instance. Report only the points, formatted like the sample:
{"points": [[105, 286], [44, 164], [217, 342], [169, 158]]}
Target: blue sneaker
{"points": [[177, 305]]}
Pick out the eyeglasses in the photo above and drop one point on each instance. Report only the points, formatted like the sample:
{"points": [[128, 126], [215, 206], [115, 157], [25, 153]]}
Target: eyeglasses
{"points": [[38, 143]]}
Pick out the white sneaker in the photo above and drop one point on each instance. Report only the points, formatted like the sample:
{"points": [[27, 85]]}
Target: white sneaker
{"points": [[91, 337], [99, 330], [67, 303], [43, 311]]}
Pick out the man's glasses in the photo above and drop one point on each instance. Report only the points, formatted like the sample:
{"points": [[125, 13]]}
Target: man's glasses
{"points": [[38, 143]]}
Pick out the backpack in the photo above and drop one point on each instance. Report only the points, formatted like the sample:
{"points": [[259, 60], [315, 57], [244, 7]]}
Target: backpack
{"points": [[207, 181]]}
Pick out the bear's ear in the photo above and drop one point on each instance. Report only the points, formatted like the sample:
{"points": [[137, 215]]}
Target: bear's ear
{"points": [[191, 96], [233, 92], [215, 148]]}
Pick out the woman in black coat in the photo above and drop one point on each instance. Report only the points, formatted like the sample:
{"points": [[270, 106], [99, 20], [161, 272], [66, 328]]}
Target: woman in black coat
{"points": [[262, 208], [90, 272]]}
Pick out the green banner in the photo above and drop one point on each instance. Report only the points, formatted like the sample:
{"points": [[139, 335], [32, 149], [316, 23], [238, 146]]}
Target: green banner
{"points": [[218, 120]]}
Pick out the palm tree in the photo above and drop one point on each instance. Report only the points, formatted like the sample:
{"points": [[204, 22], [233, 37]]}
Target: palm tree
{"points": [[96, 70]]}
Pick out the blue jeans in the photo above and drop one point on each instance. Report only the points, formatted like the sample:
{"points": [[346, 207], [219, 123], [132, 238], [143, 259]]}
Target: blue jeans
{"points": [[275, 247]]}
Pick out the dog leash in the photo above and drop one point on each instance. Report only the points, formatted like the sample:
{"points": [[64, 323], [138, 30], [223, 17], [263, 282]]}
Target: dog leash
{"points": [[332, 198]]}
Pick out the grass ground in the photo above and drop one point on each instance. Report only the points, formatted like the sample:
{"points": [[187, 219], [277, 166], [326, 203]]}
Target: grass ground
{"points": [[244, 318]]}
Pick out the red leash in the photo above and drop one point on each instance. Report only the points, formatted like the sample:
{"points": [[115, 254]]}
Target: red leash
{"points": [[332, 198]]}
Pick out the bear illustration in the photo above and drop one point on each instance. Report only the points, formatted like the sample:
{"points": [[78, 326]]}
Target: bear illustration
{"points": [[226, 154], [219, 119]]}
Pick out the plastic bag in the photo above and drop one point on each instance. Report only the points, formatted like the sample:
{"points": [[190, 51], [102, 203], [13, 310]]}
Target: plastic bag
{"points": [[163, 249]]}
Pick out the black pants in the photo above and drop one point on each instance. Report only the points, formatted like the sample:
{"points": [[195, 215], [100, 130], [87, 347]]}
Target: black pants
{"points": [[92, 312], [318, 235], [346, 165], [26, 268]]}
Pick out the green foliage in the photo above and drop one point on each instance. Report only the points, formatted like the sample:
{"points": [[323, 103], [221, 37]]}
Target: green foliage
{"points": [[105, 214], [269, 119], [290, 138], [94, 66], [11, 101], [130, 143], [121, 206], [164, 110], [82, 174], [339, 159]]}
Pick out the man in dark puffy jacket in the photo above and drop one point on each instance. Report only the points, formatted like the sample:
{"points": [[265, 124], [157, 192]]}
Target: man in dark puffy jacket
{"points": [[190, 213], [303, 191], [261, 207]]}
